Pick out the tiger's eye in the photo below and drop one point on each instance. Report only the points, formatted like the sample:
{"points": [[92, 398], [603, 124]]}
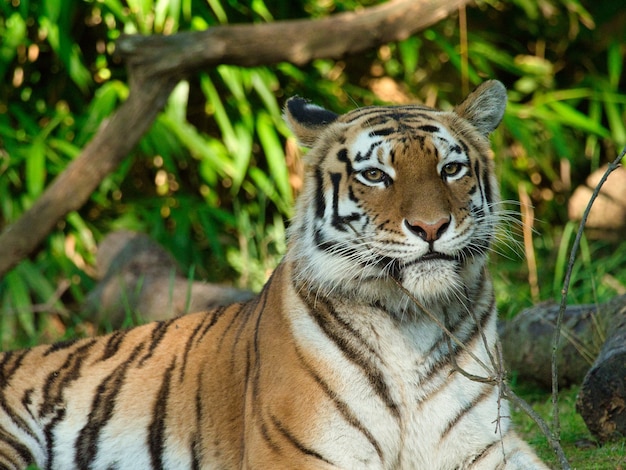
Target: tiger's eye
{"points": [[374, 175], [451, 169]]}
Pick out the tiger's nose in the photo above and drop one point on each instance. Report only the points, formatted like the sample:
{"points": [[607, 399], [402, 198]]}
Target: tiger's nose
{"points": [[429, 232]]}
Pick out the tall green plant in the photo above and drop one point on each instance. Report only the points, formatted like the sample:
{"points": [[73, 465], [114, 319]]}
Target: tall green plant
{"points": [[209, 181]]}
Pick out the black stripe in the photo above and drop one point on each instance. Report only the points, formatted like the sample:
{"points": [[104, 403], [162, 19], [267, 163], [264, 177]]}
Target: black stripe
{"points": [[7, 372], [16, 418], [156, 336], [208, 320], [484, 394], [464, 146], [495, 446], [265, 434], [320, 201], [27, 401], [20, 449], [456, 148], [340, 221], [102, 409], [382, 132], [225, 335], [368, 154], [486, 180], [5, 376], [256, 389], [296, 443], [256, 305], [479, 178], [341, 406], [196, 443], [342, 156], [346, 339], [59, 379], [253, 370], [113, 344], [60, 346], [156, 431], [429, 128]]}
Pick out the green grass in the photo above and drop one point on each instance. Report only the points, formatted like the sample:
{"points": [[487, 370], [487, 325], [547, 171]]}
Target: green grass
{"points": [[581, 450]]}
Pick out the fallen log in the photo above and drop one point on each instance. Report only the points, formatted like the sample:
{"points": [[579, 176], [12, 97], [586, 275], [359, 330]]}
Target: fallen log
{"points": [[527, 341], [602, 398], [592, 353], [140, 281]]}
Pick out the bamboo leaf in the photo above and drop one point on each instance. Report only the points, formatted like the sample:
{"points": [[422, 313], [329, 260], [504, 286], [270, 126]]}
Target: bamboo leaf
{"points": [[20, 301], [615, 64], [616, 124], [273, 150], [35, 171], [566, 114]]}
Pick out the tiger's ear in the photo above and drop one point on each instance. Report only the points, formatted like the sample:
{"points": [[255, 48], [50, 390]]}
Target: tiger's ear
{"points": [[306, 120], [484, 107]]}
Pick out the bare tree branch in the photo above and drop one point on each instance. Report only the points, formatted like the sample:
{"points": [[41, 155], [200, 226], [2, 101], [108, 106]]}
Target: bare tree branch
{"points": [[157, 63], [568, 274], [297, 41]]}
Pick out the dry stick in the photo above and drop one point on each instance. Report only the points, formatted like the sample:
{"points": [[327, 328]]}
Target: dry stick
{"points": [[449, 334], [568, 274], [552, 440], [498, 379]]}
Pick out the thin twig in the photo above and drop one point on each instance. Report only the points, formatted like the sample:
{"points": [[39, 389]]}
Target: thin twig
{"points": [[449, 334], [553, 440], [568, 274]]}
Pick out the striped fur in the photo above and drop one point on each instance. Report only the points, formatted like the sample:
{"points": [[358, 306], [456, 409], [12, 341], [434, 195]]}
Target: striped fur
{"points": [[333, 365]]}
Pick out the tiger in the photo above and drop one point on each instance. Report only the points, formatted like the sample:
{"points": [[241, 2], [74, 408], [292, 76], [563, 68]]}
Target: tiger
{"points": [[360, 352]]}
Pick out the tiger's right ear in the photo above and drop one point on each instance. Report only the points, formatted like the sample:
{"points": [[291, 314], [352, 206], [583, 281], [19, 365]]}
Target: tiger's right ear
{"points": [[306, 120]]}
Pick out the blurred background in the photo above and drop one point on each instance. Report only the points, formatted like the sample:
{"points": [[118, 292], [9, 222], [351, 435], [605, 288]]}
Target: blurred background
{"points": [[214, 179]]}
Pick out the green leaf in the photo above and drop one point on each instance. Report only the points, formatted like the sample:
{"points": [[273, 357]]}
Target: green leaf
{"points": [[20, 302], [13, 34], [567, 114], [35, 168], [616, 124], [273, 150], [615, 63]]}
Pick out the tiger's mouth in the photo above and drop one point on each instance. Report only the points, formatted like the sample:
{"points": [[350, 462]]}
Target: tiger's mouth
{"points": [[398, 265], [435, 255]]}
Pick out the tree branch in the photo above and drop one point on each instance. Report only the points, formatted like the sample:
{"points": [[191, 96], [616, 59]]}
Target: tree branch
{"points": [[563, 305], [157, 63], [296, 41]]}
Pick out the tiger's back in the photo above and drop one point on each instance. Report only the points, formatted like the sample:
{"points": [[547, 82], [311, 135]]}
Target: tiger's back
{"points": [[341, 361]]}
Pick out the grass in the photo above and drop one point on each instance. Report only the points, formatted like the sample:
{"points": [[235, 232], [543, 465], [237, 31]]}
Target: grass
{"points": [[582, 451]]}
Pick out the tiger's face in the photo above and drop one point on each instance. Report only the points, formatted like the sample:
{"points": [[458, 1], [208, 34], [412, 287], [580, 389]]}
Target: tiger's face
{"points": [[396, 192]]}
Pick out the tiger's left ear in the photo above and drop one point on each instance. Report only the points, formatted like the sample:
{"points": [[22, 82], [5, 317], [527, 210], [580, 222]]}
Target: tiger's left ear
{"points": [[306, 120], [484, 107]]}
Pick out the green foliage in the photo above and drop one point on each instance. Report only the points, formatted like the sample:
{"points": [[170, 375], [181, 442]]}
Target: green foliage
{"points": [[210, 182], [581, 451]]}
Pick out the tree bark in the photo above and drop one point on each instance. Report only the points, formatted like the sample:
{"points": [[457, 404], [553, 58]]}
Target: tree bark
{"points": [[602, 398], [156, 64]]}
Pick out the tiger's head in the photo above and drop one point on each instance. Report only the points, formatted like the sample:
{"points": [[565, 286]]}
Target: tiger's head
{"points": [[404, 192]]}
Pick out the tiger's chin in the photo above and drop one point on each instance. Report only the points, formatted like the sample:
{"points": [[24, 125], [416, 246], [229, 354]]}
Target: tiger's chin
{"points": [[433, 281]]}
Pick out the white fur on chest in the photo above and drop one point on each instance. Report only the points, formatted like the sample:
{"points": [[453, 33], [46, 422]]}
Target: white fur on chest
{"points": [[427, 398]]}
